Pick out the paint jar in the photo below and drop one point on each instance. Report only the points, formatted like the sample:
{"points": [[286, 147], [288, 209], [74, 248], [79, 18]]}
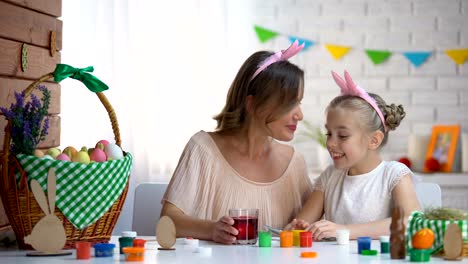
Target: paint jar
{"points": [[296, 237], [264, 239], [134, 253], [125, 242], [420, 255], [204, 251], [83, 250], [129, 234], [104, 250], [138, 242], [286, 239], [305, 239], [384, 244], [342, 236], [363, 243]]}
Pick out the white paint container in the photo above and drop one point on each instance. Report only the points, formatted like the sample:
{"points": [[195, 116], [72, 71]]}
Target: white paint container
{"points": [[204, 251], [342, 236]]}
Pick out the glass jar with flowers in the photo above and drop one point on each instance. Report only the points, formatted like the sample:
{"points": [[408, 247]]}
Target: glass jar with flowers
{"points": [[28, 119]]}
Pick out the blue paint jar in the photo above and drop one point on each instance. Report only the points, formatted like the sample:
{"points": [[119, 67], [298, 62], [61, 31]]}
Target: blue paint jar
{"points": [[104, 250], [363, 243]]}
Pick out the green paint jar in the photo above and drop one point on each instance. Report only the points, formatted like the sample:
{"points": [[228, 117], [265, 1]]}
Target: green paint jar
{"points": [[125, 242], [384, 244], [264, 239], [420, 255]]}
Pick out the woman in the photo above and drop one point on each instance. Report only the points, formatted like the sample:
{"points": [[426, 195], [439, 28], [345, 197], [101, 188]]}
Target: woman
{"points": [[242, 164]]}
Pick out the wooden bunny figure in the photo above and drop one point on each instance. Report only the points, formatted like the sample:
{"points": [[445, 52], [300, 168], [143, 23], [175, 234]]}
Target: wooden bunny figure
{"points": [[48, 235], [397, 234]]}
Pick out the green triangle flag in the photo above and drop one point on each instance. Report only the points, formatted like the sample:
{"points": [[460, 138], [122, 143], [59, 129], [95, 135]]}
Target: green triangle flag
{"points": [[378, 56], [264, 34]]}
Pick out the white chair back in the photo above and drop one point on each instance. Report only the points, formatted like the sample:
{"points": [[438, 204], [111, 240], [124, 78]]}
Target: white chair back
{"points": [[429, 194], [147, 207]]}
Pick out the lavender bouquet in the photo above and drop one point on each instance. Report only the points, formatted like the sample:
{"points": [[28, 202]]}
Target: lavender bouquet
{"points": [[29, 121]]}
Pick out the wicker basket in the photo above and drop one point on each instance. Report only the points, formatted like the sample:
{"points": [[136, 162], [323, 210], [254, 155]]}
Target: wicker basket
{"points": [[21, 207]]}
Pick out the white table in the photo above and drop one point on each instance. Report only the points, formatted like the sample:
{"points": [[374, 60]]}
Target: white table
{"points": [[328, 252]]}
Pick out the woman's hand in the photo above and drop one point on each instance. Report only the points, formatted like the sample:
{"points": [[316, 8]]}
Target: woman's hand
{"points": [[323, 228], [223, 231], [297, 224]]}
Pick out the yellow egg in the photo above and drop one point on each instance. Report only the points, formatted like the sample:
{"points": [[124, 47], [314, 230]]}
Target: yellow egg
{"points": [[81, 157]]}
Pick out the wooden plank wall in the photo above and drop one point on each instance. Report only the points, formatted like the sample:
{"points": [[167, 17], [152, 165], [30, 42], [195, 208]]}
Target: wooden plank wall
{"points": [[30, 22]]}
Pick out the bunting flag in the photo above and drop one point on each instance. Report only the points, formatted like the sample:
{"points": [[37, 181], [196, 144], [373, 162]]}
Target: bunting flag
{"points": [[265, 34], [417, 57], [337, 51], [378, 56], [307, 43], [459, 56]]}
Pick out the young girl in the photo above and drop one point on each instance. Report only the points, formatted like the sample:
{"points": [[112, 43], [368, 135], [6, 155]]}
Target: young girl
{"points": [[359, 190]]}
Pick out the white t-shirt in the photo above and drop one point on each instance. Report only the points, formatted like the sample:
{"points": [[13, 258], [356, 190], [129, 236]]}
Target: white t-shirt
{"points": [[360, 198]]}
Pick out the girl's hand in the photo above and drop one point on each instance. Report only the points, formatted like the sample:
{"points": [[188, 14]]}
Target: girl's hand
{"points": [[323, 228], [297, 224], [223, 232]]}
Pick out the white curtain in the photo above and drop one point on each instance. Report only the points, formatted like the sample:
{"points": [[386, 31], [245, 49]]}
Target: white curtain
{"points": [[168, 64]]}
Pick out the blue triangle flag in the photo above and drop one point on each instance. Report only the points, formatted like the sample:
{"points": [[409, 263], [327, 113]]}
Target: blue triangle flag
{"points": [[417, 57], [307, 43]]}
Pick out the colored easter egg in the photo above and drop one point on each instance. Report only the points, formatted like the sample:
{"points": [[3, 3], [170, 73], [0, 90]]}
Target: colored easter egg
{"points": [[113, 152], [63, 156], [98, 155]]}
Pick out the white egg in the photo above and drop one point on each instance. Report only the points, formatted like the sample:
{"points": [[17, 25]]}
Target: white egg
{"points": [[113, 152]]}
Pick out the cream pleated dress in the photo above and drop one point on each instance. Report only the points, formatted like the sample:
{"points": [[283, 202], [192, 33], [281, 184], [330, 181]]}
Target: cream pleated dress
{"points": [[205, 186]]}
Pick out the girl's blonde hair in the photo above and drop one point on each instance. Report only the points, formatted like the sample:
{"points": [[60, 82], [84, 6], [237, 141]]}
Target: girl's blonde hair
{"points": [[369, 118]]}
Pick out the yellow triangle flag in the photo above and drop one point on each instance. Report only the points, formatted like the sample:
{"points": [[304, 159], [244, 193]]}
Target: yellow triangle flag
{"points": [[459, 56], [337, 51]]}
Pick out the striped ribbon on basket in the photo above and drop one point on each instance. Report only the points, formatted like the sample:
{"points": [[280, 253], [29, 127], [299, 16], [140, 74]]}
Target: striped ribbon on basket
{"points": [[84, 192], [417, 221]]}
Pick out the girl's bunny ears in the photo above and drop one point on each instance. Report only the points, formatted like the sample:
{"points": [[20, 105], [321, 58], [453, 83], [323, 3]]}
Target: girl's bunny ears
{"points": [[279, 56], [348, 87]]}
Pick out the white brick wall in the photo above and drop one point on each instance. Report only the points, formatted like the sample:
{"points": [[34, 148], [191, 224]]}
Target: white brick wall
{"points": [[434, 93]]}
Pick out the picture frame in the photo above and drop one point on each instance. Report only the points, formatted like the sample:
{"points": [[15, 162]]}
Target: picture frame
{"points": [[443, 145]]}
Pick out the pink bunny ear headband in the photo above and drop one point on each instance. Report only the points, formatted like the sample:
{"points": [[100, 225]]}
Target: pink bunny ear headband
{"points": [[348, 87], [279, 56]]}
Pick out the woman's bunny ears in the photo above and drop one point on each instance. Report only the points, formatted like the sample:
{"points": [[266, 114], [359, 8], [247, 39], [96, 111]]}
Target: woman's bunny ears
{"points": [[348, 87], [279, 56]]}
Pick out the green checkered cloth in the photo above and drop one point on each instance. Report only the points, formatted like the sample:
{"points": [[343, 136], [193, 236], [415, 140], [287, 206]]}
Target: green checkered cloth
{"points": [[84, 192], [417, 221]]}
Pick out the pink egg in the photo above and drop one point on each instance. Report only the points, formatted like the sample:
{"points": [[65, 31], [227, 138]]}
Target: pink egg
{"points": [[98, 155], [103, 141], [63, 156]]}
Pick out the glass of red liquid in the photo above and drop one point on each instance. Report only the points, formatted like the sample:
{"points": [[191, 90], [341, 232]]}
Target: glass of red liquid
{"points": [[246, 222]]}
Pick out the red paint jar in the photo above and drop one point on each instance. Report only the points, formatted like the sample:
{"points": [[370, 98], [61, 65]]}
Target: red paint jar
{"points": [[138, 242], [306, 239], [83, 249]]}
